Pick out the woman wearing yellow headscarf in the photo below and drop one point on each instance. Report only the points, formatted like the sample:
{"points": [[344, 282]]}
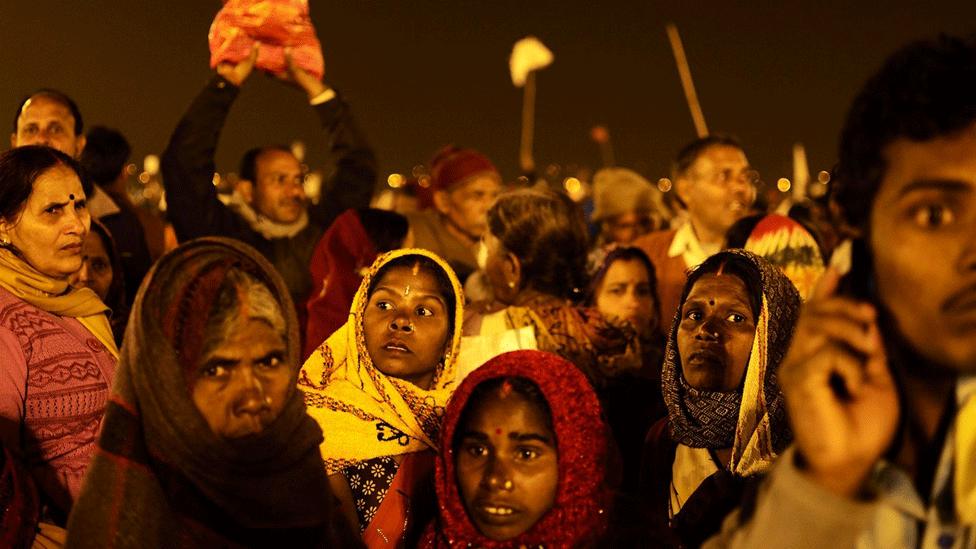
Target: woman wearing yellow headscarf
{"points": [[378, 387], [57, 354]]}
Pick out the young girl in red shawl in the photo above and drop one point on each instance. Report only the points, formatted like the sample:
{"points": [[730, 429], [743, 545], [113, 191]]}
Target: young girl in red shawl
{"points": [[522, 457]]}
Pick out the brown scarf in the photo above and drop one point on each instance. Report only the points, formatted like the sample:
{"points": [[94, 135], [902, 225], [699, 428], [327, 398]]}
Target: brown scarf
{"points": [[56, 296], [161, 478]]}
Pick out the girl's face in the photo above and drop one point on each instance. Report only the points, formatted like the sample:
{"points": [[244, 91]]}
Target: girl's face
{"points": [[96, 267], [507, 465], [625, 292], [406, 325]]}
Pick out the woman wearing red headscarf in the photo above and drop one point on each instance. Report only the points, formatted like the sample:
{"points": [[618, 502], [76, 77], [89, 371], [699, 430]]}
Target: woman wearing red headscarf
{"points": [[522, 456]]}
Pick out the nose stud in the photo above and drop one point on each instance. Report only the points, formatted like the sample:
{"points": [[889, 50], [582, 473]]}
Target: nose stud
{"points": [[507, 485]]}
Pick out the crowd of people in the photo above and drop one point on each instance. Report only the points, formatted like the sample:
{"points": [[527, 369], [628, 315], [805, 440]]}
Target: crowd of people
{"points": [[495, 363]]}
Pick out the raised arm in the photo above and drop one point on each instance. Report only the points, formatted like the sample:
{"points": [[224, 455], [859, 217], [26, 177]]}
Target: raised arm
{"points": [[352, 184], [188, 162]]}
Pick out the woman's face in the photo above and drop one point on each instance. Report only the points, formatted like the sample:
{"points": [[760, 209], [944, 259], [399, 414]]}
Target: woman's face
{"points": [[240, 387], [51, 228], [96, 267], [716, 332], [625, 292], [507, 465], [406, 325]]}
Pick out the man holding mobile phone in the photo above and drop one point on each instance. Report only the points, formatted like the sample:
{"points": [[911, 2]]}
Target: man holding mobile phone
{"points": [[881, 385]]}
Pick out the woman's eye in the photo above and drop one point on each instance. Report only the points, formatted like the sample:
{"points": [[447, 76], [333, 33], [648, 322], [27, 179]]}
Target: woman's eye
{"points": [[736, 317], [933, 216], [270, 362], [527, 453], [693, 315], [617, 290], [213, 370], [424, 311], [476, 450], [384, 305], [53, 210]]}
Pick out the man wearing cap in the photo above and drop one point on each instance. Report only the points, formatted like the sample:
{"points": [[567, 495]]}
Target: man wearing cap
{"points": [[464, 185], [714, 182], [625, 206]]}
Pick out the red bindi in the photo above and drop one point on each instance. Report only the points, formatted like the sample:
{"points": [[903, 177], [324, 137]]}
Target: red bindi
{"points": [[498, 431]]}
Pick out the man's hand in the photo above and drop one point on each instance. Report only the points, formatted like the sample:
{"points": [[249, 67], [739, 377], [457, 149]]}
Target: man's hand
{"points": [[237, 74], [311, 85], [841, 399]]}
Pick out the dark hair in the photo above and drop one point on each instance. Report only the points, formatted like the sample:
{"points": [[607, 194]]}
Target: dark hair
{"points": [[923, 91], [545, 230], [19, 169], [385, 229], [57, 97], [105, 154], [621, 253], [116, 298], [690, 152], [249, 162], [429, 265], [730, 264], [524, 387], [739, 232]]}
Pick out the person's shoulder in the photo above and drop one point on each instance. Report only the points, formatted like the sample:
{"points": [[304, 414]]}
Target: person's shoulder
{"points": [[656, 243]]}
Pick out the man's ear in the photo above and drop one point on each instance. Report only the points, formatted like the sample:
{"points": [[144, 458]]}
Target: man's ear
{"points": [[80, 143], [441, 202], [245, 188], [5, 229], [682, 188]]}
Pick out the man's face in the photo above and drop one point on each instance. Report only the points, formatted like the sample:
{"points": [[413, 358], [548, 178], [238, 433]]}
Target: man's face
{"points": [[718, 188], [278, 191], [466, 205], [923, 241], [44, 121]]}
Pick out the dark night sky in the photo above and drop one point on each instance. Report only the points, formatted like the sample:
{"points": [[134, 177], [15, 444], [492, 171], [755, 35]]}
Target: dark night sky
{"points": [[423, 73]]}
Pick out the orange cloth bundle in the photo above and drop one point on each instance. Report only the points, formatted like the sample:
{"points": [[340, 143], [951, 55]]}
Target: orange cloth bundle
{"points": [[276, 24]]}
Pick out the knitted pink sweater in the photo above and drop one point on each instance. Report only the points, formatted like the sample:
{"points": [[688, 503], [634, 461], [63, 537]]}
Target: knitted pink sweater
{"points": [[55, 378]]}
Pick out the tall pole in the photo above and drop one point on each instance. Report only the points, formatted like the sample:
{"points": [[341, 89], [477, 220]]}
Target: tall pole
{"points": [[684, 71], [526, 160]]}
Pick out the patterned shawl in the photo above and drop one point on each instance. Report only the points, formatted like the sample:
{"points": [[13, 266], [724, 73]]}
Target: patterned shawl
{"points": [[580, 511], [752, 420], [161, 477], [365, 413], [600, 347]]}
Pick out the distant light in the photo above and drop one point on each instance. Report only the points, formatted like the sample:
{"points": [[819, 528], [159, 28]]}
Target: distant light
{"points": [[151, 164], [572, 185], [424, 181], [395, 180], [144, 178], [131, 169], [783, 184], [823, 177], [664, 184], [216, 179], [552, 170], [523, 180], [418, 170], [298, 149]]}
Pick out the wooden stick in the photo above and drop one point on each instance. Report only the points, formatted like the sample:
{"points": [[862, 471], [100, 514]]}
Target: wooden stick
{"points": [[684, 71], [526, 160]]}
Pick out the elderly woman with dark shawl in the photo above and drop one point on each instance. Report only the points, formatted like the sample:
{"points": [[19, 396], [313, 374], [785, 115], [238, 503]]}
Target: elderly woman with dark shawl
{"points": [[378, 387], [726, 419], [206, 441], [522, 458]]}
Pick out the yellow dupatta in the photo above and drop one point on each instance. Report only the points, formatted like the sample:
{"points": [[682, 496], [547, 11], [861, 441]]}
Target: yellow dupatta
{"points": [[56, 297], [364, 413]]}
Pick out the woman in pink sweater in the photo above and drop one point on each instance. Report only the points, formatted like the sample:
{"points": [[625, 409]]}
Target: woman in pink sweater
{"points": [[57, 354]]}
